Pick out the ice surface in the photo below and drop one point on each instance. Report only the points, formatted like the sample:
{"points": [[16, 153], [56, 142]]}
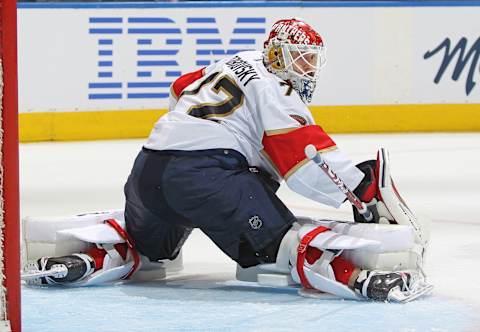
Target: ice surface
{"points": [[438, 175]]}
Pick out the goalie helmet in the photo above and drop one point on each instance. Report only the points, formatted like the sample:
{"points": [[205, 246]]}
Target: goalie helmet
{"points": [[294, 52]]}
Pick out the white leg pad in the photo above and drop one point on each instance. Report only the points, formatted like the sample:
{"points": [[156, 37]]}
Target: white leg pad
{"points": [[367, 246], [61, 236]]}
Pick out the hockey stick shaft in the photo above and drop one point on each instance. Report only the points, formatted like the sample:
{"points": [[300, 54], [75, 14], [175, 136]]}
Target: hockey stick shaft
{"points": [[312, 154]]}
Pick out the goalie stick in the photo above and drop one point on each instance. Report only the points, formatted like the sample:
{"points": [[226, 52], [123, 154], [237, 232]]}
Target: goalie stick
{"points": [[312, 154]]}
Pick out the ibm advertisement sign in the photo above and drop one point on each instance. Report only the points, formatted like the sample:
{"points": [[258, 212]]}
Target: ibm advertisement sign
{"points": [[99, 60], [126, 58], [157, 42]]}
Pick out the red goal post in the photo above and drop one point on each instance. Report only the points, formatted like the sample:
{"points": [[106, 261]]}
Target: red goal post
{"points": [[9, 183]]}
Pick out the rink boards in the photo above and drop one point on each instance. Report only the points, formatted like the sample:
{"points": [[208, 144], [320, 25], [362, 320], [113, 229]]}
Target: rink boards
{"points": [[103, 70]]}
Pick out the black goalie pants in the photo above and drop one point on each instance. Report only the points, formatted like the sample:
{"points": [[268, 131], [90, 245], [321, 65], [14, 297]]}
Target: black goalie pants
{"points": [[168, 193]]}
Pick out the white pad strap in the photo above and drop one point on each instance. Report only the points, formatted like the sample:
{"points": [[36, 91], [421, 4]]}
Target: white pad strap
{"points": [[112, 258], [327, 285], [322, 265]]}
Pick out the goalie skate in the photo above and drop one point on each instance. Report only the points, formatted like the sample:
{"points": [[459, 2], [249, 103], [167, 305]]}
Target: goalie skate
{"points": [[57, 270], [33, 275], [400, 287], [419, 287]]}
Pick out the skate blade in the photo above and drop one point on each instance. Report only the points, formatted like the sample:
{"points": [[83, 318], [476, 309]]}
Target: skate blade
{"points": [[398, 296], [31, 272]]}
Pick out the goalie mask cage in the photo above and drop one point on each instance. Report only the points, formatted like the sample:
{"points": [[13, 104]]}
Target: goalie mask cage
{"points": [[9, 189]]}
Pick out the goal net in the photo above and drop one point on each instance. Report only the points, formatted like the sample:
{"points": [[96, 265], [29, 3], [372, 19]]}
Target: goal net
{"points": [[9, 197]]}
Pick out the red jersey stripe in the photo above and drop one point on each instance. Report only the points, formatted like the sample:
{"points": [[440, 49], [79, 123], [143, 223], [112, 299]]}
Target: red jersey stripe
{"points": [[185, 80], [286, 150]]}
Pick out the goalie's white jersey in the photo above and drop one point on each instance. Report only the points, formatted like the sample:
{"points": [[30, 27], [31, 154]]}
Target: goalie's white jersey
{"points": [[237, 104]]}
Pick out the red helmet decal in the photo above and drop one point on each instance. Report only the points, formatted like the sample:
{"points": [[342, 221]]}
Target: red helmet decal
{"points": [[295, 32]]}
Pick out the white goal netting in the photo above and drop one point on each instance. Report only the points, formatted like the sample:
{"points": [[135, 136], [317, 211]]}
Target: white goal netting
{"points": [[9, 198], [4, 325], [3, 307]]}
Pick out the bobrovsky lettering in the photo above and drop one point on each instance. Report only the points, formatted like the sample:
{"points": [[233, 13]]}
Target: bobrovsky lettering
{"points": [[243, 70]]}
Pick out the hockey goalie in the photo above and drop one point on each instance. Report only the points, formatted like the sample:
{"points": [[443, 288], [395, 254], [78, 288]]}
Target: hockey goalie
{"points": [[234, 131]]}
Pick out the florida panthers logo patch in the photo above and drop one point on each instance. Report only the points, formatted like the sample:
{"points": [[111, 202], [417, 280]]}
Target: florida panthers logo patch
{"points": [[299, 118]]}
